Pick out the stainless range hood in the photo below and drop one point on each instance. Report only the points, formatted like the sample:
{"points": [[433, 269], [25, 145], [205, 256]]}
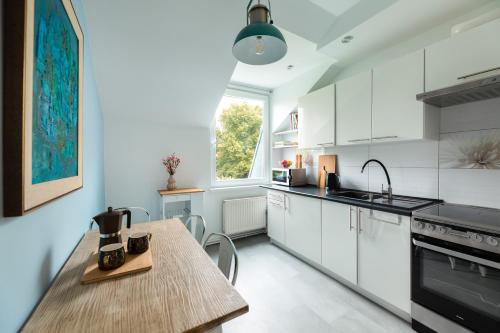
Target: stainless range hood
{"points": [[463, 93]]}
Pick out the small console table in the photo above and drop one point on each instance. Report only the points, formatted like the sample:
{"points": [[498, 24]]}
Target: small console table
{"points": [[193, 197]]}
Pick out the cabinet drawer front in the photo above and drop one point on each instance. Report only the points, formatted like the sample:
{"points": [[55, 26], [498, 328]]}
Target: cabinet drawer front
{"points": [[456, 59], [275, 196], [177, 198]]}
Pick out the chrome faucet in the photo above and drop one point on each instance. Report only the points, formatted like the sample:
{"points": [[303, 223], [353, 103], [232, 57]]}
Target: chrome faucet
{"points": [[389, 189]]}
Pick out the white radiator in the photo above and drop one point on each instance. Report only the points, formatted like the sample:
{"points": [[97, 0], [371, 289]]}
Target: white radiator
{"points": [[244, 217]]}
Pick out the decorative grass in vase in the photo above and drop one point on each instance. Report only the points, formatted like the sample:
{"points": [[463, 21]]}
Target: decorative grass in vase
{"points": [[171, 163]]}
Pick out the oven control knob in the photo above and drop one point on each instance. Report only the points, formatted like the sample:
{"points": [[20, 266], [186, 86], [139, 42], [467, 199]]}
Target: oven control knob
{"points": [[430, 227], [476, 237], [492, 241], [441, 230], [418, 225]]}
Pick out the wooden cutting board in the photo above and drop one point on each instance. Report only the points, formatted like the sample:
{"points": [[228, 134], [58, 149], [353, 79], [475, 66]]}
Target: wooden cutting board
{"points": [[134, 263], [328, 163]]}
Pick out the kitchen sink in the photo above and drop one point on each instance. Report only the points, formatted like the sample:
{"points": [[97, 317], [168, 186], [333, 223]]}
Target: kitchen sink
{"points": [[376, 198], [357, 195]]}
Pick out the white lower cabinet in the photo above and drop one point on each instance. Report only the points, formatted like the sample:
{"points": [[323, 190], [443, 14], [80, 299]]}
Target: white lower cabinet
{"points": [[276, 216], [303, 226], [370, 249], [339, 252], [384, 256]]}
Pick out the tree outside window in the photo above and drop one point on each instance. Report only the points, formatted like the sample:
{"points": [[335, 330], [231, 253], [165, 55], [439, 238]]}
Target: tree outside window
{"points": [[239, 150]]}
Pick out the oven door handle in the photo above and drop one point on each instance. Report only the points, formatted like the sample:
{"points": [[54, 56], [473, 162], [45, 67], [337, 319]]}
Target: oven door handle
{"points": [[460, 255]]}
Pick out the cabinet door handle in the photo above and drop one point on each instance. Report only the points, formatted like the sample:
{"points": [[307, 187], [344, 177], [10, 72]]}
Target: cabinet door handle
{"points": [[350, 220], [452, 253], [385, 137], [358, 140], [359, 221], [398, 222], [477, 73], [325, 144]]}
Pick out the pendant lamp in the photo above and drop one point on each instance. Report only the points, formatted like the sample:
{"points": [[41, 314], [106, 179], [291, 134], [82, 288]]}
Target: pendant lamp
{"points": [[260, 42]]}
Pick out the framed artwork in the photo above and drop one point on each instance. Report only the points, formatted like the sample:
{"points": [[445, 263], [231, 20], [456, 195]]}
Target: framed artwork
{"points": [[43, 110]]}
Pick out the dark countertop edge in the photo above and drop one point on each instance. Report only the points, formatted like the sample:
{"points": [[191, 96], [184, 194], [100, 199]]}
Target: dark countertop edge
{"points": [[353, 202]]}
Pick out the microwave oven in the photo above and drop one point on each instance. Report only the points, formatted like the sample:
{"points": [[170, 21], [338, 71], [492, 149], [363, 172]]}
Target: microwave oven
{"points": [[289, 177]]}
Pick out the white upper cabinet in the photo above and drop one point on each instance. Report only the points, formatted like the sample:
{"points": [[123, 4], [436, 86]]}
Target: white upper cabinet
{"points": [[456, 59], [354, 98], [396, 114], [317, 118]]}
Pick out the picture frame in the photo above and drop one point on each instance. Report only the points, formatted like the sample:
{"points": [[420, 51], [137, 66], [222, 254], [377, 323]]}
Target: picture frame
{"points": [[43, 103]]}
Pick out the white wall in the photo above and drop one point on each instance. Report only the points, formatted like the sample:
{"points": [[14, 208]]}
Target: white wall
{"points": [[34, 247], [472, 128], [134, 173]]}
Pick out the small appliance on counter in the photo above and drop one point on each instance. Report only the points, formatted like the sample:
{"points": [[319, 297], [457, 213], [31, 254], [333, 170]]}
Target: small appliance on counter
{"points": [[332, 183], [289, 177], [455, 273]]}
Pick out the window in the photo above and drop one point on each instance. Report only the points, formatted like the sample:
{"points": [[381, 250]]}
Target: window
{"points": [[239, 139]]}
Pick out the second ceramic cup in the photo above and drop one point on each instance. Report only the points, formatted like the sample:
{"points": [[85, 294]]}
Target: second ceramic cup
{"points": [[138, 242], [111, 256]]}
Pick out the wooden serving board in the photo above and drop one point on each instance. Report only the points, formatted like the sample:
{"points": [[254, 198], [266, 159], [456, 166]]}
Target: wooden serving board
{"points": [[134, 263], [328, 162]]}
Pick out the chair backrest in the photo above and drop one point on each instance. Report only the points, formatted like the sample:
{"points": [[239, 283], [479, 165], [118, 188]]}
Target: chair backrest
{"points": [[196, 225], [137, 208], [227, 251], [92, 221]]}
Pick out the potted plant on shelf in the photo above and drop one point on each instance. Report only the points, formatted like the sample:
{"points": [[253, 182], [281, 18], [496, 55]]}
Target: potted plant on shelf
{"points": [[286, 163], [171, 163]]}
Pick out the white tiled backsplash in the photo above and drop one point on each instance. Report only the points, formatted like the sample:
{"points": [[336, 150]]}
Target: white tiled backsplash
{"points": [[463, 167]]}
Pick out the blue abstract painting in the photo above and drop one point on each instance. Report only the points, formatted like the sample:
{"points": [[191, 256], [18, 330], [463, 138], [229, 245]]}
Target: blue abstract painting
{"points": [[55, 94]]}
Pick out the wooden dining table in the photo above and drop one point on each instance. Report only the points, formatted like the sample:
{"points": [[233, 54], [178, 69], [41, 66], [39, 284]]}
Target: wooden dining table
{"points": [[183, 292]]}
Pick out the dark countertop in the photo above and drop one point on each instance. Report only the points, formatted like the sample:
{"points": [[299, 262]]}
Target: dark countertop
{"points": [[397, 206]]}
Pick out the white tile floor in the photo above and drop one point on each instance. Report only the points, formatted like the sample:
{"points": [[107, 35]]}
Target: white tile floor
{"points": [[286, 295]]}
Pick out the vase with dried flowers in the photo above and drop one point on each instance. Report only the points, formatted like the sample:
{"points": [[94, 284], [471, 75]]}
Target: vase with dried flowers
{"points": [[171, 163]]}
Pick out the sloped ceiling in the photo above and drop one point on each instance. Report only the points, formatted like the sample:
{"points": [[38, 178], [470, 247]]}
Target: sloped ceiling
{"points": [[170, 61], [302, 55], [161, 59]]}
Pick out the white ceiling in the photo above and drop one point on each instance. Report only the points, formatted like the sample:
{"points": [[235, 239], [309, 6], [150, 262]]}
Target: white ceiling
{"points": [[165, 60], [399, 21], [302, 17], [302, 54], [171, 60], [336, 7]]}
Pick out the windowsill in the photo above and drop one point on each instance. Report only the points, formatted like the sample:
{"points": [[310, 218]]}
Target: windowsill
{"points": [[235, 187]]}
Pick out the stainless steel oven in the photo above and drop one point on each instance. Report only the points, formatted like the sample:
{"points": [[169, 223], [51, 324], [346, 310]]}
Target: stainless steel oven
{"points": [[455, 276]]}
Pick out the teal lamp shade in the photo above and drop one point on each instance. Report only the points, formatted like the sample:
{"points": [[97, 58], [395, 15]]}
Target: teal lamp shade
{"points": [[259, 43]]}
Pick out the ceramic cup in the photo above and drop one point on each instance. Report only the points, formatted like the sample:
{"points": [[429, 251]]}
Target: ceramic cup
{"points": [[138, 242], [111, 256]]}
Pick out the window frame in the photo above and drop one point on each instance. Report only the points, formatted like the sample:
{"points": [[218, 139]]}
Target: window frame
{"points": [[243, 92]]}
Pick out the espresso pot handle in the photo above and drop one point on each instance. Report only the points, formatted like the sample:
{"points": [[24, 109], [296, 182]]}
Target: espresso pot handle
{"points": [[129, 217]]}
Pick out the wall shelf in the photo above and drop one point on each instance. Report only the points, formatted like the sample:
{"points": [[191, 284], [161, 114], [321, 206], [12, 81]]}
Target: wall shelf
{"points": [[293, 131], [281, 147]]}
